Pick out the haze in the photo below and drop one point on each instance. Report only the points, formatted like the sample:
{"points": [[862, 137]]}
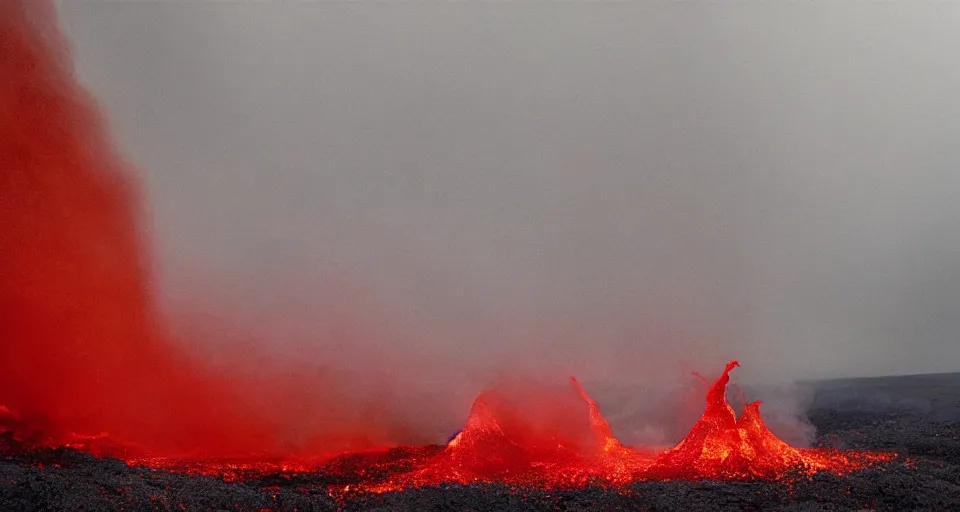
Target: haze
{"points": [[455, 192]]}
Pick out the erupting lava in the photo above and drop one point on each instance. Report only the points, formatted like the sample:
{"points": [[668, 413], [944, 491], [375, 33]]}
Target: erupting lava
{"points": [[719, 447], [82, 352], [722, 446], [500, 444]]}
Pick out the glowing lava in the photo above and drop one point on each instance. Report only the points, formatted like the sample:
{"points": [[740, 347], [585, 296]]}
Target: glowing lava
{"points": [[723, 447], [720, 446], [499, 444]]}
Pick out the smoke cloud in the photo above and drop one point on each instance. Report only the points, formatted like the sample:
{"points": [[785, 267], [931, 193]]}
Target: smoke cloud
{"points": [[413, 202]]}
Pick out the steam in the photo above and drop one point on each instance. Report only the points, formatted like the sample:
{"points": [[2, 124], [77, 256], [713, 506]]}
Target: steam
{"points": [[405, 204]]}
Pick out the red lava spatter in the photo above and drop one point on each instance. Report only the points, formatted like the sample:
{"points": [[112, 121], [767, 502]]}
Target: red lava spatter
{"points": [[723, 447]]}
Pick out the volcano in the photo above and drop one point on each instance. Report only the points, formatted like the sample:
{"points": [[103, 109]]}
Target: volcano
{"points": [[99, 411]]}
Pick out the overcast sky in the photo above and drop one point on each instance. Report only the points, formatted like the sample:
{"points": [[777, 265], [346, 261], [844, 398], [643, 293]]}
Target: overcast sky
{"points": [[608, 188]]}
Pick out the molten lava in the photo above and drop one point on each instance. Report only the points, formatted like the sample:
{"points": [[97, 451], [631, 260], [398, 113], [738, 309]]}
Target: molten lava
{"points": [[720, 446]]}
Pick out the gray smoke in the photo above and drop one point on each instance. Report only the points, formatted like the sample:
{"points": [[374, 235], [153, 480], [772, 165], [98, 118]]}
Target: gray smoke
{"points": [[427, 197]]}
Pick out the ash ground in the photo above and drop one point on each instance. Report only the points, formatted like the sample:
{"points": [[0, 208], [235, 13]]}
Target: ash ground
{"points": [[918, 416]]}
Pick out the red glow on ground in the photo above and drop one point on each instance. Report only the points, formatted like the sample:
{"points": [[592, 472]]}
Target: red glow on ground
{"points": [[499, 444]]}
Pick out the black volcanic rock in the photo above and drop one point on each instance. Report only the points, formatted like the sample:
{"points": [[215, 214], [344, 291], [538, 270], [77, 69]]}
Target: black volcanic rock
{"points": [[916, 416]]}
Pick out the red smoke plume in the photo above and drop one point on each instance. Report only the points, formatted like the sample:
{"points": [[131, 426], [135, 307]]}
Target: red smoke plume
{"points": [[81, 348]]}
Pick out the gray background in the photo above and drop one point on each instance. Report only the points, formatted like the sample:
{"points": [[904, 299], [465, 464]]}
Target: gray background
{"points": [[458, 192]]}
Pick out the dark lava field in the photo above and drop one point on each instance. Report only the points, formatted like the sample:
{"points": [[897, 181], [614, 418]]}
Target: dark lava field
{"points": [[917, 416]]}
